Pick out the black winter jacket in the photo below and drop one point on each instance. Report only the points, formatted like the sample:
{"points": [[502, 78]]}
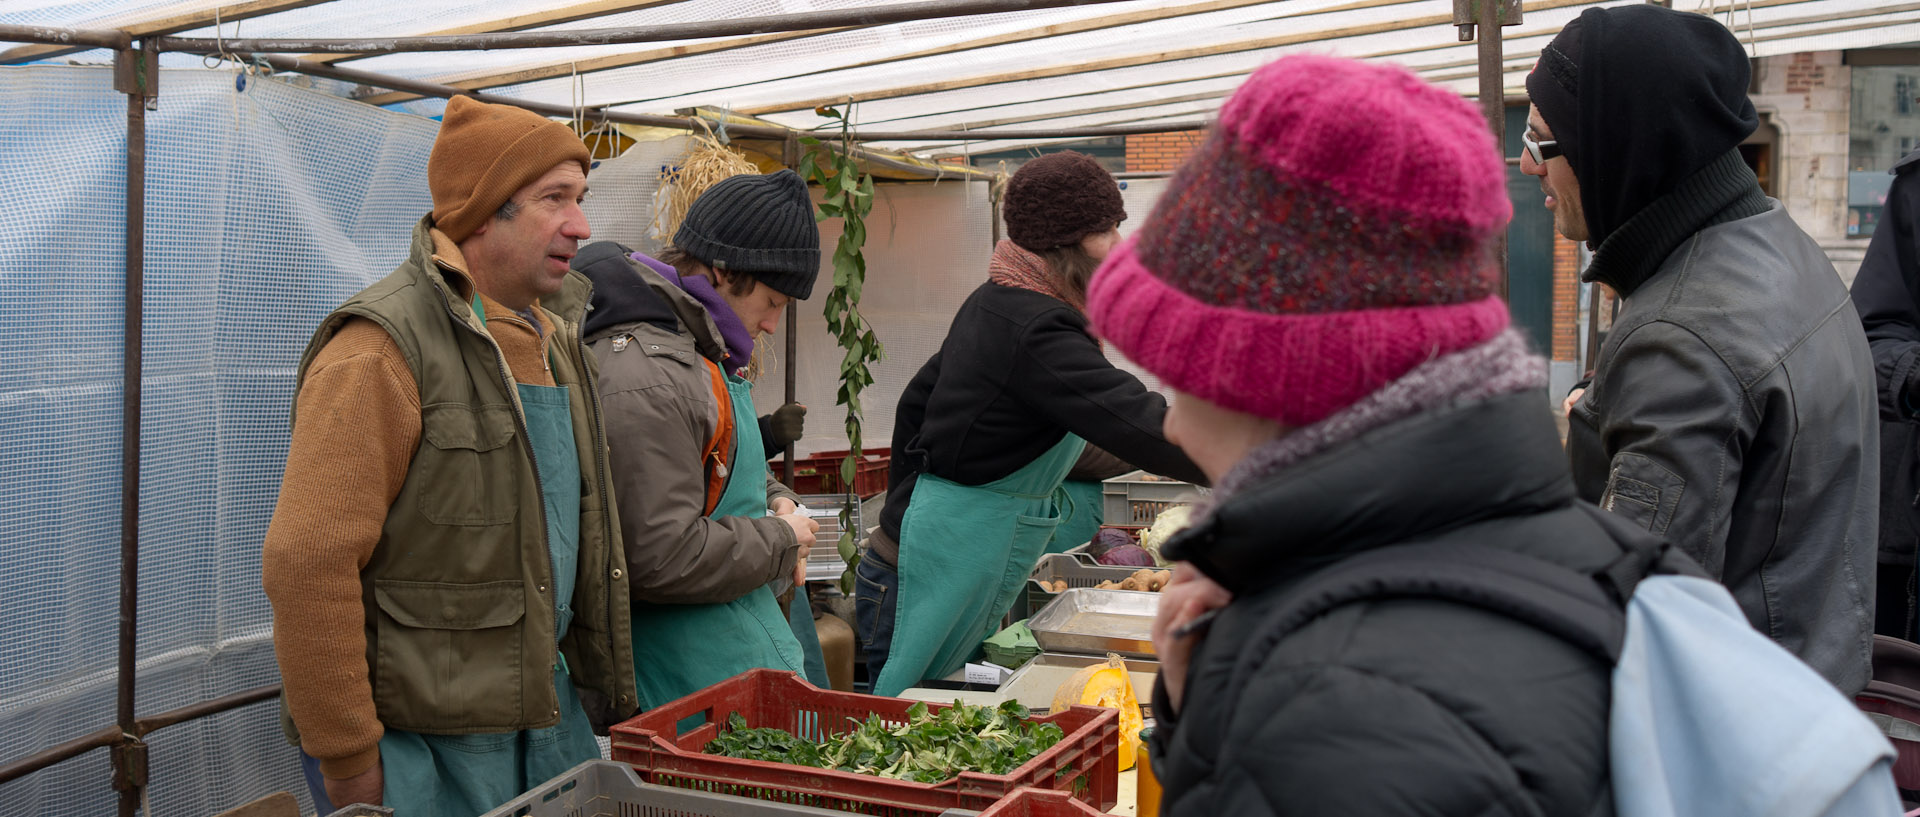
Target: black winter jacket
{"points": [[1402, 707], [1017, 372], [1887, 294], [1732, 412]]}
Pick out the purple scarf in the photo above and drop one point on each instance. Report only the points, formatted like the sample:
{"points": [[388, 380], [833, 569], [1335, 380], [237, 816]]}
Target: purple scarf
{"points": [[732, 331]]}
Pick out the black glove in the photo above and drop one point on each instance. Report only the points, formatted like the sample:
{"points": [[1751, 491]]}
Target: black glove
{"points": [[786, 425]]}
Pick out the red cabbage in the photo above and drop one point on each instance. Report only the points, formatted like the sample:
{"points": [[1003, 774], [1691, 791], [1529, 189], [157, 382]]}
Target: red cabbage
{"points": [[1108, 539], [1126, 556]]}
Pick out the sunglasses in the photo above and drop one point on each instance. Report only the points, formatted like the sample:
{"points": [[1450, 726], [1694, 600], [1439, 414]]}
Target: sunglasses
{"points": [[1540, 151]]}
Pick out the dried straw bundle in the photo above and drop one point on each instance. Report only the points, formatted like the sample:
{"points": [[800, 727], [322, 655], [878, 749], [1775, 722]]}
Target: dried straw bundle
{"points": [[705, 166]]}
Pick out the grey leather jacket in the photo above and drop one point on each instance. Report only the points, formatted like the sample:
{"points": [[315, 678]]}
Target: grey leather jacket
{"points": [[1733, 411]]}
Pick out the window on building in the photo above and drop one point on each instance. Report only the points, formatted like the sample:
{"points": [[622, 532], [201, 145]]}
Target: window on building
{"points": [[1884, 126], [1760, 151], [1110, 152]]}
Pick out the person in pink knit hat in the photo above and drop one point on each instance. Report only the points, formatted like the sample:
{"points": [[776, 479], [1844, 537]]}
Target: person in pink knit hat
{"points": [[1318, 286]]}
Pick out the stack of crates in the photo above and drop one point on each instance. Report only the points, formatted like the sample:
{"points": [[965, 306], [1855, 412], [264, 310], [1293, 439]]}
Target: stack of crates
{"points": [[823, 559]]}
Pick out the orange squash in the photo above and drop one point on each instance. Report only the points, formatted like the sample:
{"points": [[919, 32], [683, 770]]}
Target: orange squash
{"points": [[1106, 685]]}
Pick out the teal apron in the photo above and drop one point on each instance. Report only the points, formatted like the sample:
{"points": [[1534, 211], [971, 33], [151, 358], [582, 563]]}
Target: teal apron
{"points": [[679, 649], [800, 617], [1078, 527], [965, 550], [466, 775]]}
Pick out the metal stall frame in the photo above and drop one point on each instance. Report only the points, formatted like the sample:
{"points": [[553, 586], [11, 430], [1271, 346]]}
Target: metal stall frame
{"points": [[136, 74]]}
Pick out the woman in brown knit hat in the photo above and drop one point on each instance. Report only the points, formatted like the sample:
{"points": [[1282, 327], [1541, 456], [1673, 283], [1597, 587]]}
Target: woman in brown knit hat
{"points": [[988, 429]]}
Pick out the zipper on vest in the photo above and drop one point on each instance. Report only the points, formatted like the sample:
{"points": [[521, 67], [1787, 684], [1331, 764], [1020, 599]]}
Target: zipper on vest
{"points": [[618, 555], [526, 441]]}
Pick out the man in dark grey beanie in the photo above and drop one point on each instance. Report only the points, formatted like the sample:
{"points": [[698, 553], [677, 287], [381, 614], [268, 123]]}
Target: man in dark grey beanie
{"points": [[1732, 405], [706, 528]]}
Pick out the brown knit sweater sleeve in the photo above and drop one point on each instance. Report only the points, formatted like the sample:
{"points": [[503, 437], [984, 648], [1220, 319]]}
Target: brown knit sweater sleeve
{"points": [[354, 433]]}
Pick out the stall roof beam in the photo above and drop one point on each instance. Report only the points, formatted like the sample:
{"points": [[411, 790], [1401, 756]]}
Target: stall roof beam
{"points": [[1136, 60], [1099, 132], [1286, 40], [607, 63], [868, 16], [522, 22], [560, 69], [228, 13], [62, 40], [1047, 32]]}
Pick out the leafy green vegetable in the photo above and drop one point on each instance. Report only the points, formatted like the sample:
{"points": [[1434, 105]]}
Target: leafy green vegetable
{"points": [[928, 748]]}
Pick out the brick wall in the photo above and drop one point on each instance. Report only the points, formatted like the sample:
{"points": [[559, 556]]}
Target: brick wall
{"points": [[1566, 301], [1809, 97], [1159, 152]]}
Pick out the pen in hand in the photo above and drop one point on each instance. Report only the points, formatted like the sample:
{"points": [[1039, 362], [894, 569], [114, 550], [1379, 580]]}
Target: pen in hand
{"points": [[1198, 623]]}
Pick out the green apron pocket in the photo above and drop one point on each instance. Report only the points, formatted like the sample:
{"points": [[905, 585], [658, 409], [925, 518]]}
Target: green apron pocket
{"points": [[466, 472], [447, 654]]}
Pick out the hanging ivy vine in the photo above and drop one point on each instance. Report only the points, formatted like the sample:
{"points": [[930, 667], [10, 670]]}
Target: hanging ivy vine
{"points": [[849, 197]]}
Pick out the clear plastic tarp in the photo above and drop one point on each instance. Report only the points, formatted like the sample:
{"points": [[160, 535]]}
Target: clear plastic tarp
{"points": [[1098, 64], [266, 208]]}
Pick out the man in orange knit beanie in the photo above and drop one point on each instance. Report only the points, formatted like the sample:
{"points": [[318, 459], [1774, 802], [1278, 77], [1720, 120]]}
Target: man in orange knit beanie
{"points": [[448, 586]]}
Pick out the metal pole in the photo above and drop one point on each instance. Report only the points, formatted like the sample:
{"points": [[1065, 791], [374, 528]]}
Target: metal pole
{"points": [[136, 73], [105, 736], [1030, 133], [423, 88], [56, 35], [1594, 297], [793, 350], [113, 735], [203, 709], [1493, 104], [804, 21]]}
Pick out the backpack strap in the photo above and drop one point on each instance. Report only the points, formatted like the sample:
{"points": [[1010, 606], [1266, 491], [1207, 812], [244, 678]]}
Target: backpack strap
{"points": [[720, 446], [1587, 611]]}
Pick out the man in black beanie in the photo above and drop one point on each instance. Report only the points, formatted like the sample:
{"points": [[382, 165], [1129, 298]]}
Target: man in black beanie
{"points": [[706, 527], [1732, 406]]}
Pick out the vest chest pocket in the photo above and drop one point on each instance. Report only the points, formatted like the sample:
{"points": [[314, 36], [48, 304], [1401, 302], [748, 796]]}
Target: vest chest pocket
{"points": [[465, 472], [449, 655]]}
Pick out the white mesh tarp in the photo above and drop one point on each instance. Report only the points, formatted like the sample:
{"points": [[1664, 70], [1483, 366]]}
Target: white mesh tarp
{"points": [[927, 250], [266, 208], [1045, 67]]}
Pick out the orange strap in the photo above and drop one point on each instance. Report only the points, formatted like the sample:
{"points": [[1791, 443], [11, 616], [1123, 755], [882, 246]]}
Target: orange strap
{"points": [[714, 460]]}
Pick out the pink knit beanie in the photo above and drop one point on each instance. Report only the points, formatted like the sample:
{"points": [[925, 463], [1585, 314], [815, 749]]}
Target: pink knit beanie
{"points": [[1334, 230]]}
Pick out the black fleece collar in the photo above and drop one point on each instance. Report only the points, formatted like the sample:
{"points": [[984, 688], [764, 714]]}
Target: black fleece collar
{"points": [[1409, 480], [1723, 191]]}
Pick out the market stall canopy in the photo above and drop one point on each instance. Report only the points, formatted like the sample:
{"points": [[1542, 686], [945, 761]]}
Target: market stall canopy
{"points": [[1077, 63]]}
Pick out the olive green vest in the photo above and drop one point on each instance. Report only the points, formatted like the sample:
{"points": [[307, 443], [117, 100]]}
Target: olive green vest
{"points": [[458, 594]]}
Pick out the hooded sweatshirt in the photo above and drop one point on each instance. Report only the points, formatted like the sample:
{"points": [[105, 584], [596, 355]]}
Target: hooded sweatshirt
{"points": [[1649, 105]]}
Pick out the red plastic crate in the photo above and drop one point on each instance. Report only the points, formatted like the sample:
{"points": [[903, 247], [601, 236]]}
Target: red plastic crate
{"points": [[1086, 762], [1040, 803], [820, 473]]}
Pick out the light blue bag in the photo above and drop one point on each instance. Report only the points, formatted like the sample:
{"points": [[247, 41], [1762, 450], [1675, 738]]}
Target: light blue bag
{"points": [[1709, 717]]}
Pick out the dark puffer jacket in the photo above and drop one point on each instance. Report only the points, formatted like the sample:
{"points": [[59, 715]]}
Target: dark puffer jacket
{"points": [[1393, 707], [1887, 294]]}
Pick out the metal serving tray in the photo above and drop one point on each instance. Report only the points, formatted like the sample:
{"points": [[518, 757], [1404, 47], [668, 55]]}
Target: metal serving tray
{"points": [[1096, 622], [1033, 685]]}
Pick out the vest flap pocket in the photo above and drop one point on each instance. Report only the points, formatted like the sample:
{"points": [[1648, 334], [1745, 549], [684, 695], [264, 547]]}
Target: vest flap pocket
{"points": [[450, 606], [482, 428]]}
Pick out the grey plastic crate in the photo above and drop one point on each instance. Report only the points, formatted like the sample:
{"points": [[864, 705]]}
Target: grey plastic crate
{"points": [[1076, 573], [603, 788], [1133, 499], [823, 559]]}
